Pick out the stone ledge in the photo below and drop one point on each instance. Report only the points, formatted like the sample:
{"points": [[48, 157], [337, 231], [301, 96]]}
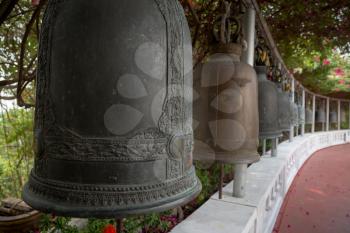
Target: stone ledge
{"points": [[267, 184]]}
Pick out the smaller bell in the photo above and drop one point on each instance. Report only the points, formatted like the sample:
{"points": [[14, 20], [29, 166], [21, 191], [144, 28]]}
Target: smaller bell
{"points": [[301, 113], [308, 116], [268, 106], [333, 117], [284, 111], [343, 117], [321, 115], [295, 114]]}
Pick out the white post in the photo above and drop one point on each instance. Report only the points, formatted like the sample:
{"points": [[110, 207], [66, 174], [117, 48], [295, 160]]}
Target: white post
{"points": [[303, 103], [264, 147], [349, 115], [274, 150], [327, 115], [240, 170], [339, 108], [291, 134], [313, 114]]}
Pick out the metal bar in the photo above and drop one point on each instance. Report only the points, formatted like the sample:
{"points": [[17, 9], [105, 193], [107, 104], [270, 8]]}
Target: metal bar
{"points": [[264, 147], [313, 113], [249, 35], [119, 225], [221, 182]]}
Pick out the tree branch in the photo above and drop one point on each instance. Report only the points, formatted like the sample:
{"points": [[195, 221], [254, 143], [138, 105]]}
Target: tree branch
{"points": [[6, 7]]}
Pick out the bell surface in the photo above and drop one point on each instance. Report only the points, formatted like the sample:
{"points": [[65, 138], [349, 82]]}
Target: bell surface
{"points": [[321, 115], [333, 117], [284, 111], [113, 123], [268, 106], [226, 110], [301, 114], [308, 116], [295, 114]]}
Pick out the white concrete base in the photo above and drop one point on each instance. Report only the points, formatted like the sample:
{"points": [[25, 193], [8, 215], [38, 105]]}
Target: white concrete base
{"points": [[267, 184]]}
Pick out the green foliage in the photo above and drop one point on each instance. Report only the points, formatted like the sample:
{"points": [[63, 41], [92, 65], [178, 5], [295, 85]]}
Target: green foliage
{"points": [[16, 150]]}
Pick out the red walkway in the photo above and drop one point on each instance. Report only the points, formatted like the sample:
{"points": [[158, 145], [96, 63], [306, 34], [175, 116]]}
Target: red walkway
{"points": [[319, 198]]}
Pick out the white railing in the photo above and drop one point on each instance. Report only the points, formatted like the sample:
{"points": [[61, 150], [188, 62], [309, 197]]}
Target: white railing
{"points": [[267, 184]]}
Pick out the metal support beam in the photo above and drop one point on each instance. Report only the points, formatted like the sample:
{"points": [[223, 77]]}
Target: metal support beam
{"points": [[249, 36], [240, 170], [313, 113], [339, 109], [327, 115]]}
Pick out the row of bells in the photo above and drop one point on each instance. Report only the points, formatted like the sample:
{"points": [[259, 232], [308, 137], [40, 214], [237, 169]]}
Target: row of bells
{"points": [[117, 105], [277, 111], [320, 116]]}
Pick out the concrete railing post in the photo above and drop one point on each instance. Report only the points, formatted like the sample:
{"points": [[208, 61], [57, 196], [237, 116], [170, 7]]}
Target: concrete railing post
{"points": [[313, 114], [327, 115], [303, 103], [339, 118]]}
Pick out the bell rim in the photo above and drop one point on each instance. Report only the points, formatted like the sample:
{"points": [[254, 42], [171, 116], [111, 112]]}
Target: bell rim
{"points": [[69, 209]]}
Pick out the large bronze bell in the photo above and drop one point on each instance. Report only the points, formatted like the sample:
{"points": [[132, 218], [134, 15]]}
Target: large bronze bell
{"points": [[268, 106], [284, 111], [227, 122], [113, 123]]}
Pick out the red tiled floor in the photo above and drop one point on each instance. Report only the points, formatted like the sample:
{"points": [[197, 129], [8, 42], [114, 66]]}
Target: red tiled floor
{"points": [[319, 199]]}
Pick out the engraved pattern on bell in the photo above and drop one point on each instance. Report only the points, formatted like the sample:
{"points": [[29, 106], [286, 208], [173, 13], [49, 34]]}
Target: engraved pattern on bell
{"points": [[113, 124]]}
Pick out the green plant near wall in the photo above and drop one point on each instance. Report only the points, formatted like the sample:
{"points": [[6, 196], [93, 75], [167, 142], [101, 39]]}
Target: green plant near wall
{"points": [[16, 150]]}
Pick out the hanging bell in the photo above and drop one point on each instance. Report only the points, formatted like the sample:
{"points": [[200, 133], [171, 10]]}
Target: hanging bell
{"points": [[284, 111], [226, 110], [268, 106], [321, 115], [308, 116], [295, 114], [113, 128], [301, 114], [333, 119], [344, 118]]}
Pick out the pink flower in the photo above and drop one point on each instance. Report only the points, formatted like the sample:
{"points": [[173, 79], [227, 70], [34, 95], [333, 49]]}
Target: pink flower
{"points": [[35, 2], [339, 72], [326, 62], [341, 81], [337, 89]]}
